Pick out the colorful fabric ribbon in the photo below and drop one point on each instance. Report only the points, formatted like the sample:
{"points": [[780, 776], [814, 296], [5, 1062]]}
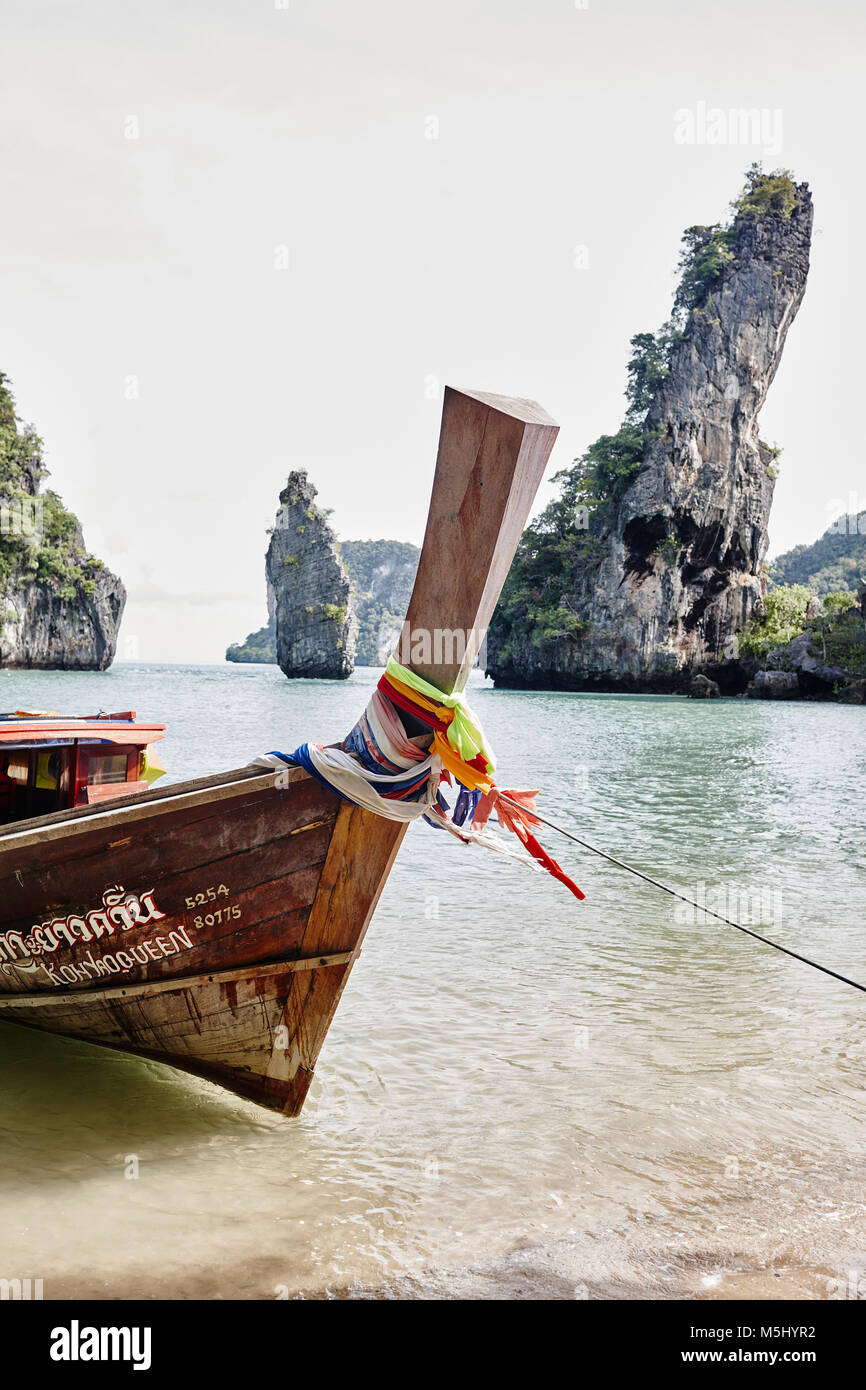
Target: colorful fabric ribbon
{"points": [[381, 768], [457, 735]]}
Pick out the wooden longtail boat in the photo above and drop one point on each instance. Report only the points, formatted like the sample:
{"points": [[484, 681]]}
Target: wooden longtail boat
{"points": [[213, 925]]}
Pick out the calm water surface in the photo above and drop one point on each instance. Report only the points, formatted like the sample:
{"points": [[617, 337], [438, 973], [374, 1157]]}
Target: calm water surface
{"points": [[521, 1094]]}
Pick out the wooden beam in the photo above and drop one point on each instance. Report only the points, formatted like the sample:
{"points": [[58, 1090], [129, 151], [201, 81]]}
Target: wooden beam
{"points": [[492, 454]]}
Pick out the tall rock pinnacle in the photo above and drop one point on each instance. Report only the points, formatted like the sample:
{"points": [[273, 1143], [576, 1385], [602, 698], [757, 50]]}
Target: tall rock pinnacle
{"points": [[308, 588], [674, 508]]}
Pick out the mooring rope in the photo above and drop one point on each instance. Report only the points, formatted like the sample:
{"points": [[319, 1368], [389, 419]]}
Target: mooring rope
{"points": [[638, 873]]}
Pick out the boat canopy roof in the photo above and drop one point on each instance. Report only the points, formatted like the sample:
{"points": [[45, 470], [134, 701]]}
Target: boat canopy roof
{"points": [[27, 728]]}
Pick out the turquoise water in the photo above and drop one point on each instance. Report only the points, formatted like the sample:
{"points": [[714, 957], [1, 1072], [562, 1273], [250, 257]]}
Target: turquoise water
{"points": [[521, 1094]]}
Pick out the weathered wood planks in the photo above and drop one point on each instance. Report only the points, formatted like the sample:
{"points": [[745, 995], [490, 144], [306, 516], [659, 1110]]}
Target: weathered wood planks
{"points": [[251, 899]]}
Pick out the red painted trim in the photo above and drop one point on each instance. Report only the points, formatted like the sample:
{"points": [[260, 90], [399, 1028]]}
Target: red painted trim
{"points": [[14, 731]]}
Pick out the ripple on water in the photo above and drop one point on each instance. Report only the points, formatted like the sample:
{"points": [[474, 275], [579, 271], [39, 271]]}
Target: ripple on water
{"points": [[519, 1092]]}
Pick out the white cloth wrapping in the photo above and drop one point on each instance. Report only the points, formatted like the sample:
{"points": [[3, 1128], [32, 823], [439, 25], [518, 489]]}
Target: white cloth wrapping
{"points": [[381, 726], [346, 775]]}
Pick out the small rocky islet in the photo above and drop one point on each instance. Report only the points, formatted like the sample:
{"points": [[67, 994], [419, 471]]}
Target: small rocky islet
{"points": [[331, 605]]}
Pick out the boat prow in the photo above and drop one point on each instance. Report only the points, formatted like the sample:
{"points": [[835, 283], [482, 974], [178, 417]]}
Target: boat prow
{"points": [[213, 924]]}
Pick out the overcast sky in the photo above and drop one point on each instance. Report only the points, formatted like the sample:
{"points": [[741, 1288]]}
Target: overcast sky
{"points": [[240, 237]]}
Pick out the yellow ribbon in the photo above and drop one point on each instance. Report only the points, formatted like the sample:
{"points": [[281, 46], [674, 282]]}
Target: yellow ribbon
{"points": [[464, 738]]}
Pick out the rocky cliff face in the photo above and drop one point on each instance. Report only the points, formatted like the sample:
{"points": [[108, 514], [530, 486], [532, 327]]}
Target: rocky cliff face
{"points": [[669, 566], [45, 630], [59, 606], [308, 588], [382, 575]]}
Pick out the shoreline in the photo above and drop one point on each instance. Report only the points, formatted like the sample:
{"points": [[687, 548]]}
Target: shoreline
{"points": [[532, 1272]]}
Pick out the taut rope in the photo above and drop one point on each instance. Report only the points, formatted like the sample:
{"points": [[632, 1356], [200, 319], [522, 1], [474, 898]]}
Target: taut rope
{"points": [[674, 894]]}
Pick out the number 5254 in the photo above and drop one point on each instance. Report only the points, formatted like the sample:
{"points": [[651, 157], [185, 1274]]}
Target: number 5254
{"points": [[208, 896]]}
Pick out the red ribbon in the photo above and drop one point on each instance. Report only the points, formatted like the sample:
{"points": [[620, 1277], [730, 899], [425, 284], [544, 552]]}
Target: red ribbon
{"points": [[424, 715], [521, 820]]}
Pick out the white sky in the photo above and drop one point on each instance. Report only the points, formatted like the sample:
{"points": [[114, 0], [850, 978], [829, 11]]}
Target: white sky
{"points": [[409, 258]]}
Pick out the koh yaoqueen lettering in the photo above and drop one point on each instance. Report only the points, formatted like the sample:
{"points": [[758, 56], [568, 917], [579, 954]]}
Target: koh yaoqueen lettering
{"points": [[119, 912]]}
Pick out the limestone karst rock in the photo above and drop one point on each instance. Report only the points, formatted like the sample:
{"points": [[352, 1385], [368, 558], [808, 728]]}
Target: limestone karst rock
{"points": [[59, 606], [309, 588], [381, 574], [670, 567]]}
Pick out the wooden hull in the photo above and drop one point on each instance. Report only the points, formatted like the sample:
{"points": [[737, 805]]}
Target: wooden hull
{"points": [[252, 902], [213, 925]]}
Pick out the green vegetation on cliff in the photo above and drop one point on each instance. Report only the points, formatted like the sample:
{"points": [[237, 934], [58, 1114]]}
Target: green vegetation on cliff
{"points": [[553, 548], [835, 561], [782, 618], [833, 624], [258, 646], [707, 252], [537, 603], [382, 574], [841, 635], [40, 541]]}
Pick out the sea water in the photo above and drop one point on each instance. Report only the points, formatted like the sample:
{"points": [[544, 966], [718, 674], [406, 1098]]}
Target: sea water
{"points": [[521, 1095]]}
